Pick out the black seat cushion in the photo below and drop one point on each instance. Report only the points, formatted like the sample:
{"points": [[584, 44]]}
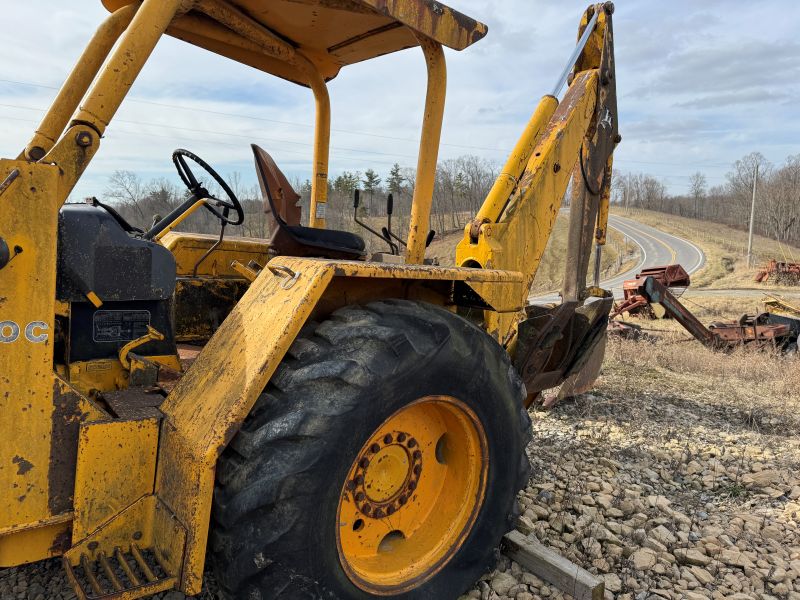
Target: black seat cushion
{"points": [[328, 238]]}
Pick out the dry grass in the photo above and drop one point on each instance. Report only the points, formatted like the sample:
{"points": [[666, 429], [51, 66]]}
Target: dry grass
{"points": [[708, 308], [760, 387], [619, 255], [725, 249]]}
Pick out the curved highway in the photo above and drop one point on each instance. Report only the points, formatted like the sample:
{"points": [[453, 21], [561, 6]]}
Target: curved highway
{"points": [[656, 249]]}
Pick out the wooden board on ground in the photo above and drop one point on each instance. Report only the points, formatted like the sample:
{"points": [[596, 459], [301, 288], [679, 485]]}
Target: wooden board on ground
{"points": [[552, 567]]}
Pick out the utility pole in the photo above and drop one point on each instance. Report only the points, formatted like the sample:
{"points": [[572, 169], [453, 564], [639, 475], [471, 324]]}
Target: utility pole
{"points": [[752, 218]]}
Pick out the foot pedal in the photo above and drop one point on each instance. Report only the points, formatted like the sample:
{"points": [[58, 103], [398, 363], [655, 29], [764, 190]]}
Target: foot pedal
{"points": [[127, 575]]}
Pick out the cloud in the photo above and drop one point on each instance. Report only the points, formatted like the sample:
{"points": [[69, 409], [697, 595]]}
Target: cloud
{"points": [[700, 85]]}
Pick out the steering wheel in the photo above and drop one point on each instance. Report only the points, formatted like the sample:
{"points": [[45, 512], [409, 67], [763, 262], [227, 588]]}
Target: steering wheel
{"points": [[199, 192]]}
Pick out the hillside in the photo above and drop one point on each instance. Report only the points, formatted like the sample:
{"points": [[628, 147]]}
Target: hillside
{"points": [[619, 255], [725, 249]]}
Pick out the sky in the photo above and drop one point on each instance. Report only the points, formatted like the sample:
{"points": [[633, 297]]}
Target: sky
{"points": [[700, 84]]}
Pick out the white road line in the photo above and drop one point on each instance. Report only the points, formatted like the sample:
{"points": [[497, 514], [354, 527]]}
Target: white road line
{"points": [[701, 257], [642, 261]]}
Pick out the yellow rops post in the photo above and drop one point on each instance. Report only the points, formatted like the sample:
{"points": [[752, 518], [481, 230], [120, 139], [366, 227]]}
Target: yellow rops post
{"points": [[313, 421]]}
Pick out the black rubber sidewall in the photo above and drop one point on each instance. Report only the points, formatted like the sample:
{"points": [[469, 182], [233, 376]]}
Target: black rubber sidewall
{"points": [[488, 393]]}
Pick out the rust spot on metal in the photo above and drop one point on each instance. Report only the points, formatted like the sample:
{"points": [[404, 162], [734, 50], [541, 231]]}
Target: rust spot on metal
{"points": [[61, 543], [23, 466], [8, 181], [66, 420]]}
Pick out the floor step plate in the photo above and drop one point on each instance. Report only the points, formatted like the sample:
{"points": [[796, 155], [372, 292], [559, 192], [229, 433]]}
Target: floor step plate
{"points": [[121, 576]]}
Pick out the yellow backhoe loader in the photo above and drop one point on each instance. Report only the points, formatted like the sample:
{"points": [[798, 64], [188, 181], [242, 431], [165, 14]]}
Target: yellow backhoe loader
{"points": [[308, 420]]}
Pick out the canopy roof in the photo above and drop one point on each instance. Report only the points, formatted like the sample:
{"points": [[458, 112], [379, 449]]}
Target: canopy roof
{"points": [[331, 33]]}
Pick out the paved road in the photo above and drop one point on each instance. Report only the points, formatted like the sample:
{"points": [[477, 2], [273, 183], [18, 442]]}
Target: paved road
{"points": [[656, 248]]}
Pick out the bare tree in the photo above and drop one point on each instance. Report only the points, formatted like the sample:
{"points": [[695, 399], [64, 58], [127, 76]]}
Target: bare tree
{"points": [[697, 188]]}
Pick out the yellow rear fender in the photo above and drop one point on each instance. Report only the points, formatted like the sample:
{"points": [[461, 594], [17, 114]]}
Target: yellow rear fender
{"points": [[209, 404]]}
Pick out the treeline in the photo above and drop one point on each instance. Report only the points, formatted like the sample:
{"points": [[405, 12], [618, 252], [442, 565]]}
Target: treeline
{"points": [[461, 186], [463, 183], [777, 207]]}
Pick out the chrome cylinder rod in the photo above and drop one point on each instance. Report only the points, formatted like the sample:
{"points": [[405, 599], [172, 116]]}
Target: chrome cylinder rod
{"points": [[576, 53]]}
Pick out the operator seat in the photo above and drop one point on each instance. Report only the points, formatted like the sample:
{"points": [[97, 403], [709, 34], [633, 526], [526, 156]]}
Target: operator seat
{"points": [[289, 238]]}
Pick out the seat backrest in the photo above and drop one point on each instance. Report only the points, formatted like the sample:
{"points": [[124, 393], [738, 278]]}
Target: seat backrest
{"points": [[280, 199]]}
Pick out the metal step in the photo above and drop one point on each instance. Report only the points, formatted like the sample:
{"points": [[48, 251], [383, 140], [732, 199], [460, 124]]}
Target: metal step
{"points": [[122, 576]]}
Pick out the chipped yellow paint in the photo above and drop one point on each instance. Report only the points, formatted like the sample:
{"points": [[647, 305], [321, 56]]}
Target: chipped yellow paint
{"points": [[116, 466], [500, 194], [235, 366], [27, 288], [35, 541], [108, 374], [188, 248], [517, 241], [605, 199]]}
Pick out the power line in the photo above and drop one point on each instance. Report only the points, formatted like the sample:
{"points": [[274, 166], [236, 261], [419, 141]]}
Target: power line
{"points": [[347, 131], [254, 118], [305, 125], [182, 139]]}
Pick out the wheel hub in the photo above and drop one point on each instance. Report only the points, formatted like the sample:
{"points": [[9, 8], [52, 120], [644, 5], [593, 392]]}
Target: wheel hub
{"points": [[398, 523], [387, 473]]}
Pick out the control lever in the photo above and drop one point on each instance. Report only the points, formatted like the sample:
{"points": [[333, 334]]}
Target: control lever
{"points": [[387, 231], [356, 203], [429, 239]]}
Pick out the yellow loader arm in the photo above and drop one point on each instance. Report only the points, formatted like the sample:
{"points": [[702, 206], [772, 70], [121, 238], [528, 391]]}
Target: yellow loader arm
{"points": [[568, 140]]}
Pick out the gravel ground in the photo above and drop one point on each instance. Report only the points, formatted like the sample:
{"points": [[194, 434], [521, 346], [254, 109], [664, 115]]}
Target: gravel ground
{"points": [[677, 478]]}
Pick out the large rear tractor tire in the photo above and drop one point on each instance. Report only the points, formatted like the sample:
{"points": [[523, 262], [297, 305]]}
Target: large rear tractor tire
{"points": [[383, 460]]}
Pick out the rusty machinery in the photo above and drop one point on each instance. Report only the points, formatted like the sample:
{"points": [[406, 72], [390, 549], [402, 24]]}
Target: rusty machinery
{"points": [[674, 277], [765, 330], [786, 273], [310, 420]]}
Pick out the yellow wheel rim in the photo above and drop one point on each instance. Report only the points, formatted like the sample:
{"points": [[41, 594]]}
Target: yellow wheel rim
{"points": [[412, 495]]}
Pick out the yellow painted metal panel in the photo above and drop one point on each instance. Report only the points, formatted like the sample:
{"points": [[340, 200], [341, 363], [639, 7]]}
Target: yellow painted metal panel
{"points": [[35, 543], [148, 523], [27, 291], [116, 466], [188, 248], [208, 405], [333, 33], [355, 268]]}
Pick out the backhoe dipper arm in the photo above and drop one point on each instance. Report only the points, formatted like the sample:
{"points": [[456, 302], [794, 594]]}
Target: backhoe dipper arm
{"points": [[572, 138]]}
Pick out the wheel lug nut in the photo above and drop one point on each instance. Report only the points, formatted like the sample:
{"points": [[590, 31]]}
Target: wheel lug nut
{"points": [[412, 485], [363, 463], [375, 448], [417, 455], [360, 496], [351, 485], [387, 439], [412, 442], [378, 513], [359, 480], [401, 437], [417, 470], [366, 509], [390, 510], [402, 500]]}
